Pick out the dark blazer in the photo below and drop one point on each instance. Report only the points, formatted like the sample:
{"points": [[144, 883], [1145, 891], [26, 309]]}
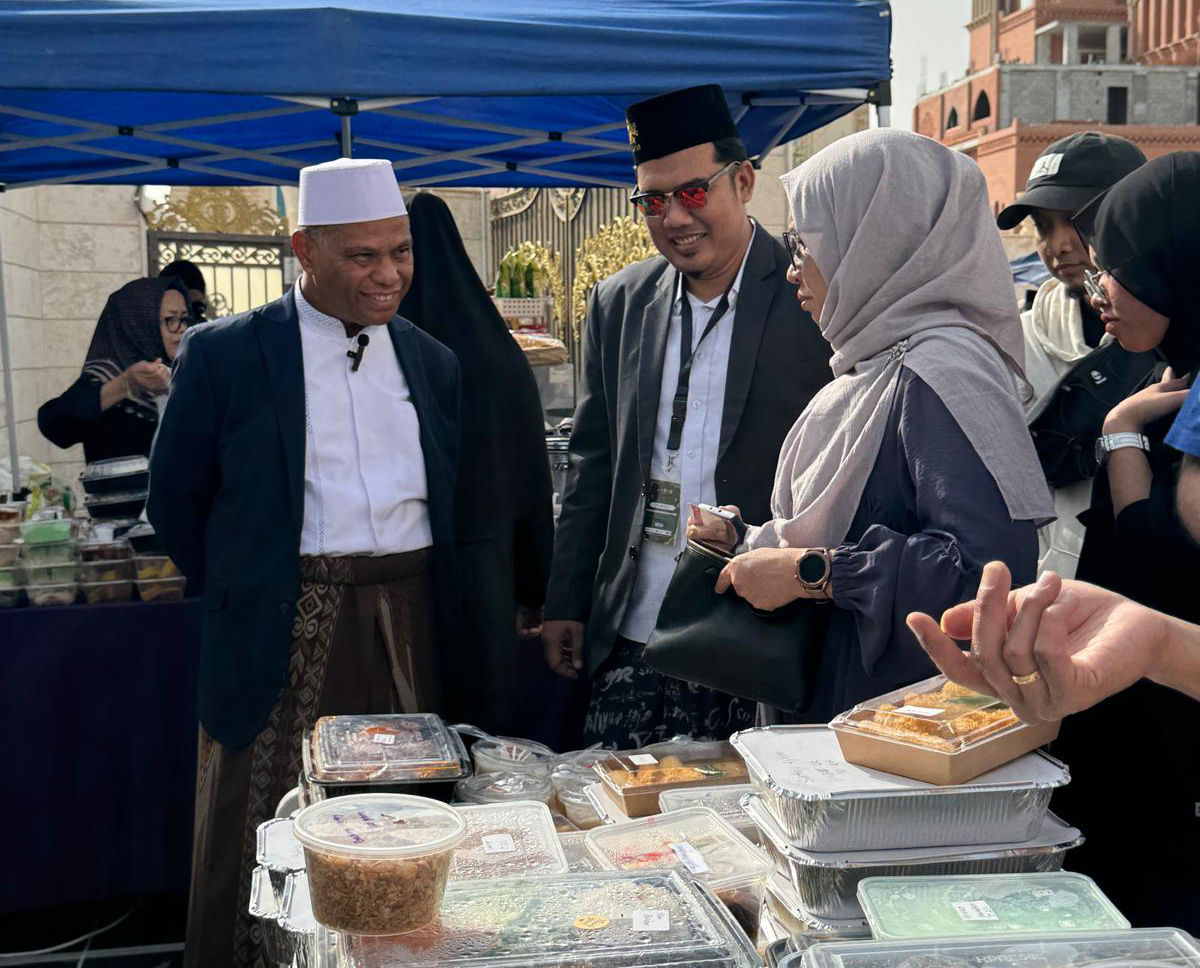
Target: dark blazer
{"points": [[227, 494], [777, 361]]}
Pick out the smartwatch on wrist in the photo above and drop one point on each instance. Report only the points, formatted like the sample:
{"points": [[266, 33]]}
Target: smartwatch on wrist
{"points": [[1107, 443], [814, 568]]}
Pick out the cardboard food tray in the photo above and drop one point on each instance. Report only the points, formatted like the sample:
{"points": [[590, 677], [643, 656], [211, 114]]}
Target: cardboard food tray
{"points": [[642, 801]]}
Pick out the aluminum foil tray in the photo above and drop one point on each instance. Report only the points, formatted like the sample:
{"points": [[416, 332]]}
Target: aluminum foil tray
{"points": [[805, 928], [825, 884], [265, 908], [824, 803]]}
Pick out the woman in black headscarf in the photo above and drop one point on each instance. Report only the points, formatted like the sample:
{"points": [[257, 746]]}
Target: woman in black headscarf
{"points": [[112, 409], [504, 520], [1128, 759]]}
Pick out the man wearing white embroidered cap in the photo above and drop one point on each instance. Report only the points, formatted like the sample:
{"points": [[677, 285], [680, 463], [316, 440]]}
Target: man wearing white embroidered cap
{"points": [[302, 479]]}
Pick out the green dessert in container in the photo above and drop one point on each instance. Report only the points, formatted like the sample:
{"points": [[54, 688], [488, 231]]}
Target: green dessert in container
{"points": [[919, 907], [48, 530]]}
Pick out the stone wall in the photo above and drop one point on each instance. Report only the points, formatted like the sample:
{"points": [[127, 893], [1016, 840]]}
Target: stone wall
{"points": [[64, 249]]}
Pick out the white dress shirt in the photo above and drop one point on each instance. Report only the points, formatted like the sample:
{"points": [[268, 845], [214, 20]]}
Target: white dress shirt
{"points": [[694, 466], [365, 491]]}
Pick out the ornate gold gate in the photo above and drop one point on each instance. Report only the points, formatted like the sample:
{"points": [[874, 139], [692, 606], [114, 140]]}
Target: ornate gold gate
{"points": [[239, 244]]}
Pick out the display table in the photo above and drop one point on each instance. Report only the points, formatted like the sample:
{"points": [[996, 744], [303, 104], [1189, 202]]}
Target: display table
{"points": [[99, 754]]}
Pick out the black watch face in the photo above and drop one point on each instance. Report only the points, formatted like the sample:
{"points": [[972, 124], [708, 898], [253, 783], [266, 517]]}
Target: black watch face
{"points": [[811, 568]]}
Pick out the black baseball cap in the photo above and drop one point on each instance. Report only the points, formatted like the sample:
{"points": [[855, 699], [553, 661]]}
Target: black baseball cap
{"points": [[1072, 172]]}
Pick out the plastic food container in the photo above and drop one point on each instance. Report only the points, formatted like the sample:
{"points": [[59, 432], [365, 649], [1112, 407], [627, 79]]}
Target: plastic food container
{"points": [[507, 840], [99, 551], [265, 907], [1141, 947], [10, 597], [116, 474], [604, 804], [154, 566], [601, 920], [377, 864], [580, 860], [50, 574], [785, 907], [502, 787], [778, 952], [916, 907], [98, 592], [570, 788], [502, 754], [384, 750], [94, 571], [161, 589], [635, 778], [9, 554], [12, 512], [825, 884], [695, 840], [49, 553], [10, 533], [725, 800], [11, 578], [48, 530], [120, 505], [936, 731], [52, 594], [824, 803], [279, 852]]}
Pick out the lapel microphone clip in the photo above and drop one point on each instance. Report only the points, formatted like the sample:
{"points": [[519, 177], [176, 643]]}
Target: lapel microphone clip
{"points": [[357, 354]]}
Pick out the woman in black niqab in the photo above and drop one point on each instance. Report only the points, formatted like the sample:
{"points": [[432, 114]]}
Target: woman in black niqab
{"points": [[1146, 237], [504, 520]]}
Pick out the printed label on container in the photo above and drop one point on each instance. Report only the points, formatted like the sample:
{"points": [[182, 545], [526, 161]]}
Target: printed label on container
{"points": [[384, 739], [918, 711], [690, 858], [643, 759], [651, 921], [591, 922], [498, 844], [975, 911]]}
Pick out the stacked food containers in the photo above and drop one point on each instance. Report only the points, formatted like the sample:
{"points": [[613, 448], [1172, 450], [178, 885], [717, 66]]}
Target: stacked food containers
{"points": [[633, 780], [116, 489], [48, 558], [346, 755], [106, 571], [829, 824], [725, 800], [158, 579], [11, 581]]}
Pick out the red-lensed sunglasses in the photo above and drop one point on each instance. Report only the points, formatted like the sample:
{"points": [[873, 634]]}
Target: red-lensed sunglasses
{"points": [[692, 195]]}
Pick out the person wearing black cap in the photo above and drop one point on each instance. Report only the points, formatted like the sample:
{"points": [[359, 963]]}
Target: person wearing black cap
{"points": [[1065, 342], [695, 364]]}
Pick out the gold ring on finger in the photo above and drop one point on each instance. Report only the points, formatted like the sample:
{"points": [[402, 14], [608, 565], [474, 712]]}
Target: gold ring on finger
{"points": [[1026, 680]]}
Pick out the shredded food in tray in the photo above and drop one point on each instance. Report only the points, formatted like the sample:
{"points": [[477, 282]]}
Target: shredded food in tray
{"points": [[384, 896], [967, 717], [671, 770]]}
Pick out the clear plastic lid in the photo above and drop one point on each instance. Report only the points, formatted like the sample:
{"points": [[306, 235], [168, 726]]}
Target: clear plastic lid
{"points": [[503, 754], [48, 530], [580, 860], [601, 920], [501, 787], [725, 800], [386, 749], [936, 714], [507, 840], [806, 763], [115, 467], [1135, 948], [677, 763], [277, 848], [695, 840], [379, 825], [916, 907]]}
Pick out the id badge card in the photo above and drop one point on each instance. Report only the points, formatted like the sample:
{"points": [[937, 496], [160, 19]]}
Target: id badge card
{"points": [[661, 521]]}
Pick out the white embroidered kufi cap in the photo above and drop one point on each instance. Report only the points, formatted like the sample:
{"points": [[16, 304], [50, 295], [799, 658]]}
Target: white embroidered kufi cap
{"points": [[349, 190]]}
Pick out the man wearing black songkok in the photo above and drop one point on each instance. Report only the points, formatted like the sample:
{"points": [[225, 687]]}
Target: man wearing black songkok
{"points": [[715, 307]]}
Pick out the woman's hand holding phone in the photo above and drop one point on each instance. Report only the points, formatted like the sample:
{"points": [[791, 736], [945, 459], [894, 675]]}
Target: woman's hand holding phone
{"points": [[710, 528]]}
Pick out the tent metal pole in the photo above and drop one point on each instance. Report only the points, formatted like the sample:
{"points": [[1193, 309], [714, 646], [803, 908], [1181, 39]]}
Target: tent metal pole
{"points": [[10, 400], [883, 114], [346, 146]]}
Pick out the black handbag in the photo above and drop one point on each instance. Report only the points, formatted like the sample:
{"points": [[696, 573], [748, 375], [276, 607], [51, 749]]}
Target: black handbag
{"points": [[722, 642], [1065, 432]]}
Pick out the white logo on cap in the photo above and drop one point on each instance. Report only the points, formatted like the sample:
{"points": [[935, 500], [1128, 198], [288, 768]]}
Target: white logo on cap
{"points": [[1044, 167]]}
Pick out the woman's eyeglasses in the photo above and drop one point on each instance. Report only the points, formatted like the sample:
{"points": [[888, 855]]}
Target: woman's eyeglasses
{"points": [[177, 323], [796, 251], [1092, 288], [691, 196]]}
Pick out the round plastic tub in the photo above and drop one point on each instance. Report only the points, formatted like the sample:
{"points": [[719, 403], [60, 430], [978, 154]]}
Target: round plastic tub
{"points": [[378, 864], [506, 755], [498, 787]]}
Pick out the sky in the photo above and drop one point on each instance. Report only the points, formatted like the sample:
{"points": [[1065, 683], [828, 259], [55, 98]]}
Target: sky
{"points": [[930, 29]]}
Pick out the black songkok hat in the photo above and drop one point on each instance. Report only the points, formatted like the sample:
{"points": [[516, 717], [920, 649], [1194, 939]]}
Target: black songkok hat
{"points": [[682, 119]]}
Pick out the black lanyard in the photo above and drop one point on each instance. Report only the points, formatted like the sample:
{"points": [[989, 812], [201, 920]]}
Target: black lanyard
{"points": [[679, 403]]}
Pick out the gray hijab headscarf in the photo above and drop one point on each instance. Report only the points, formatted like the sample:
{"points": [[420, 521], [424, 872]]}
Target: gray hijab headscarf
{"points": [[901, 230]]}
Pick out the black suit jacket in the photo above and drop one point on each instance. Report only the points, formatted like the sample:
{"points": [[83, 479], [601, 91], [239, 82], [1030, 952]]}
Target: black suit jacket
{"points": [[227, 494], [777, 361]]}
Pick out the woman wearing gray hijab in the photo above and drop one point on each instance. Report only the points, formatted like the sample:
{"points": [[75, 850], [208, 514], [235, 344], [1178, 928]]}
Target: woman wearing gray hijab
{"points": [[913, 468]]}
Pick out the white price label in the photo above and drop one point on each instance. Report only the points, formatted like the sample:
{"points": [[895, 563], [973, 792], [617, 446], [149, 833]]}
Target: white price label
{"points": [[384, 739], [918, 711], [690, 858], [498, 844], [643, 759], [651, 921], [975, 911]]}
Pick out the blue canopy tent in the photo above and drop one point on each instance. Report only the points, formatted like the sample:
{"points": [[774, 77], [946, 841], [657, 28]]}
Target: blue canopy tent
{"points": [[455, 92]]}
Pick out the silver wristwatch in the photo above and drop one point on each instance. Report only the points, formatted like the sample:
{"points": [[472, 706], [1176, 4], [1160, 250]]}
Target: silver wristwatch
{"points": [[1107, 443]]}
